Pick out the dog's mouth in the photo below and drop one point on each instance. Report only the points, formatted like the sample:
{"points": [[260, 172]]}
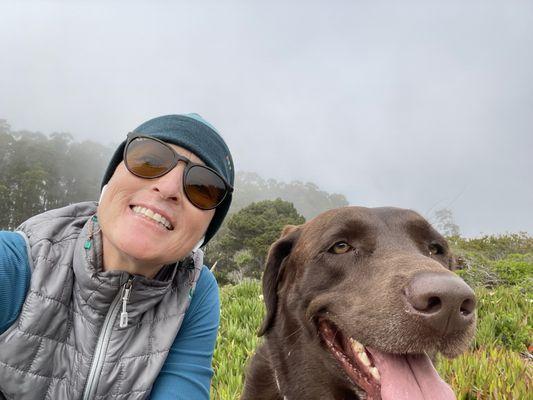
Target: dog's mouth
{"points": [[384, 376]]}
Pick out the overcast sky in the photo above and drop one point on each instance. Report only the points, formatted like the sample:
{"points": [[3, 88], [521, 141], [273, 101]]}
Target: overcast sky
{"points": [[415, 104]]}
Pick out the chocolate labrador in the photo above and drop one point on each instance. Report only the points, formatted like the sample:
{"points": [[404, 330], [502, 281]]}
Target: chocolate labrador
{"points": [[356, 300]]}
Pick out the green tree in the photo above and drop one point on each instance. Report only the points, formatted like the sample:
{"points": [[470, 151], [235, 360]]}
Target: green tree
{"points": [[39, 172], [243, 243]]}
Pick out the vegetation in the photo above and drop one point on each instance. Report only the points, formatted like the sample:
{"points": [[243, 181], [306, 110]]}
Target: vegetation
{"points": [[241, 246], [499, 362], [491, 261], [241, 314], [38, 173], [488, 373]]}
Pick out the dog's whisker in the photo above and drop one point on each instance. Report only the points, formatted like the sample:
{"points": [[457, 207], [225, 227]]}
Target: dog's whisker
{"points": [[297, 331]]}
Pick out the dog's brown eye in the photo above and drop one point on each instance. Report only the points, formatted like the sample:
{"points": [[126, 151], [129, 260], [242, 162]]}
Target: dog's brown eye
{"points": [[435, 249], [340, 248]]}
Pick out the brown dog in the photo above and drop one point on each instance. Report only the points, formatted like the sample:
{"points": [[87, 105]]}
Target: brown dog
{"points": [[356, 298]]}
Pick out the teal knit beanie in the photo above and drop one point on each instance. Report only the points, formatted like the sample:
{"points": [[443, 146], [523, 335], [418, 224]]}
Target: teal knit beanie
{"points": [[195, 134]]}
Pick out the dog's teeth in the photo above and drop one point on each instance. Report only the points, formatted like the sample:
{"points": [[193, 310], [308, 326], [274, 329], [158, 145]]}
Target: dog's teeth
{"points": [[375, 373], [356, 346], [364, 359]]}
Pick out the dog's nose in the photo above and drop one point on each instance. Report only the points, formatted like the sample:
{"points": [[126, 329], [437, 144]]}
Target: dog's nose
{"points": [[444, 301]]}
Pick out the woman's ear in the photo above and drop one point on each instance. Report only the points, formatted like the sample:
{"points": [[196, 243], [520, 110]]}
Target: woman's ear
{"points": [[277, 256]]}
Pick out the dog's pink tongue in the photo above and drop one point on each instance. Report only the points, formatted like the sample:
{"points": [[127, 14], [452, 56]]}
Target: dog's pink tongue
{"points": [[409, 377]]}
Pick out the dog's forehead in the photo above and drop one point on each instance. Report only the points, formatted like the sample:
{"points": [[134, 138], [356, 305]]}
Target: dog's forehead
{"points": [[399, 216], [388, 215], [363, 219]]}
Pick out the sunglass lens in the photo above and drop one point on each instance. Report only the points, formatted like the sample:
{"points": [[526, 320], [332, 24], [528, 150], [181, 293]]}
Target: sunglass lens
{"points": [[148, 158], [205, 189]]}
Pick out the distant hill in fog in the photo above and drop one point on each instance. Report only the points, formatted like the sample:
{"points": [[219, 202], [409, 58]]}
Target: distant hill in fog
{"points": [[307, 197]]}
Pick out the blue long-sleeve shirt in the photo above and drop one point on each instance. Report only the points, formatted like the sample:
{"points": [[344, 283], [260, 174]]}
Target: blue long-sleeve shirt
{"points": [[186, 373]]}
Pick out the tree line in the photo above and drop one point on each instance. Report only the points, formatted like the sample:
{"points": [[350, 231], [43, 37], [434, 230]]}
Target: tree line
{"points": [[40, 172]]}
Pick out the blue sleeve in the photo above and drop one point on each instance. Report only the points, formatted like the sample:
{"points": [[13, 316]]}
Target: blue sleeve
{"points": [[15, 276], [187, 371]]}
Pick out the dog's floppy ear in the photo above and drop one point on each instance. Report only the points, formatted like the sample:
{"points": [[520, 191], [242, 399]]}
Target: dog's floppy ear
{"points": [[288, 229], [273, 272]]}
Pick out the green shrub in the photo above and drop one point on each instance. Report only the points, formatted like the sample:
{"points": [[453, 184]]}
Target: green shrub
{"points": [[516, 269], [480, 273], [494, 247], [240, 317], [494, 373], [503, 318], [512, 270]]}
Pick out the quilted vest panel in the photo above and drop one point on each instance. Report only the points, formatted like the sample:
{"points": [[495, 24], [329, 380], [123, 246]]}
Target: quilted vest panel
{"points": [[67, 342]]}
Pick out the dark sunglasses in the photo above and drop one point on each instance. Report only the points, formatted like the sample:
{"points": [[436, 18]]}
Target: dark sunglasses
{"points": [[148, 157]]}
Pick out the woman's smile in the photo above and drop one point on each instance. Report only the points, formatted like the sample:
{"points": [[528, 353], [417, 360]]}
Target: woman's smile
{"points": [[152, 215]]}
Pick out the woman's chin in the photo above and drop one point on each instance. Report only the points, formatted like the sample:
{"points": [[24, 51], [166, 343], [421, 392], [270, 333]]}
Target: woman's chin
{"points": [[145, 249]]}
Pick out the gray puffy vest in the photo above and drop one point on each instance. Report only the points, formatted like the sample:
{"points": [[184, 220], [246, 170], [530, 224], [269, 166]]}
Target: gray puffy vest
{"points": [[68, 342]]}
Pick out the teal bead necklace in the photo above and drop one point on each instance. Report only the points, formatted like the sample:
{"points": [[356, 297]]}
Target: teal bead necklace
{"points": [[92, 232]]}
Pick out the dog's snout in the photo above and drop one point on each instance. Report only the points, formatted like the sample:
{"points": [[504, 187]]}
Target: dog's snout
{"points": [[444, 301]]}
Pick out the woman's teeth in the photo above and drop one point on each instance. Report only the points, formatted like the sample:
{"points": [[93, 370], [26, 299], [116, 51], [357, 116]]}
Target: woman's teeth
{"points": [[152, 215]]}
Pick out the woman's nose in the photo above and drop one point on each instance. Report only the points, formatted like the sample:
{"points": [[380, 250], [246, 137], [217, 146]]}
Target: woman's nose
{"points": [[170, 185]]}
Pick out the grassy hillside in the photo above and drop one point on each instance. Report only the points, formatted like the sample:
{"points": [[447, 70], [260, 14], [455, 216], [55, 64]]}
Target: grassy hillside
{"points": [[499, 364]]}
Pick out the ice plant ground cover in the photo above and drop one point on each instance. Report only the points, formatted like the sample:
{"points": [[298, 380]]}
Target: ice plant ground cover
{"points": [[499, 363]]}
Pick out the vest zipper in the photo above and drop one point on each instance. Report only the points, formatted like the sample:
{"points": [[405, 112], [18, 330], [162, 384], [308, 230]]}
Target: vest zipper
{"points": [[125, 298], [104, 337]]}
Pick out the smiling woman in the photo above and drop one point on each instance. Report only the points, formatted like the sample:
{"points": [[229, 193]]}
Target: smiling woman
{"points": [[111, 299], [143, 229]]}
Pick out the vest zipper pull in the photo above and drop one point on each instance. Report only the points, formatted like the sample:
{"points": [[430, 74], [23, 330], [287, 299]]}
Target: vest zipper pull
{"points": [[125, 298]]}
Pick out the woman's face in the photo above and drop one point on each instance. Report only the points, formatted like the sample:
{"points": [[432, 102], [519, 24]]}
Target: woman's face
{"points": [[133, 235]]}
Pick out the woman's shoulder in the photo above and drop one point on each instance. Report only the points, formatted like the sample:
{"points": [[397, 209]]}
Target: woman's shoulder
{"points": [[207, 279], [12, 246], [14, 276], [60, 222], [206, 294]]}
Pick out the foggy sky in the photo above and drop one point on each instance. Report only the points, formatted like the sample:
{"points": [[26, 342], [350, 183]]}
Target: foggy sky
{"points": [[421, 105]]}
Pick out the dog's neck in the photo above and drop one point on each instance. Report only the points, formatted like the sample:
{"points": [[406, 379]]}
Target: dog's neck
{"points": [[278, 385]]}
